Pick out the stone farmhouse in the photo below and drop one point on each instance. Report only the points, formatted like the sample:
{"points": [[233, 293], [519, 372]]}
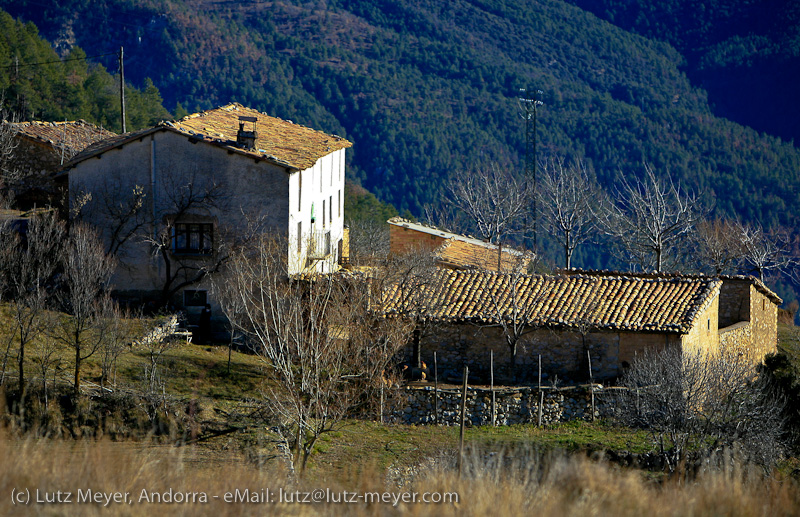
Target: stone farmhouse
{"points": [[172, 200], [452, 250], [561, 317], [42, 148]]}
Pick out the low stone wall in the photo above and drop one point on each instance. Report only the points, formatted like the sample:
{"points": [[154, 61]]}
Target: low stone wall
{"points": [[736, 338], [512, 405], [159, 333]]}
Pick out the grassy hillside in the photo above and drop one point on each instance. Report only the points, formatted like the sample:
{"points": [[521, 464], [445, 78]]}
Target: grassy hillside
{"points": [[424, 88]]}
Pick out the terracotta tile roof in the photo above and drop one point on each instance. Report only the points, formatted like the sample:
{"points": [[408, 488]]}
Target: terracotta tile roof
{"points": [[297, 145], [464, 251], [604, 302], [758, 284], [279, 141], [461, 254], [76, 135]]}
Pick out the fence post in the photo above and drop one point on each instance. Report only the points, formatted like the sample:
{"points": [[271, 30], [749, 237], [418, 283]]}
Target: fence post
{"points": [[463, 412], [541, 393], [435, 389], [591, 381], [491, 384]]}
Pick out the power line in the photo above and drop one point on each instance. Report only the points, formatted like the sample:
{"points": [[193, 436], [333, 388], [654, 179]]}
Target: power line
{"points": [[20, 65]]}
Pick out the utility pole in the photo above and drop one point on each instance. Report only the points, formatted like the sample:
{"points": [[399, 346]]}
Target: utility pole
{"points": [[529, 100], [122, 88]]}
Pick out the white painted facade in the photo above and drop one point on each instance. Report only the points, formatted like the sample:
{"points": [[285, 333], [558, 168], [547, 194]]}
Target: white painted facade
{"points": [[316, 208]]}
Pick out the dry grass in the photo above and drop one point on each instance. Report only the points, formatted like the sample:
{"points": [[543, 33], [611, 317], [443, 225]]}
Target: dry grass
{"points": [[498, 484]]}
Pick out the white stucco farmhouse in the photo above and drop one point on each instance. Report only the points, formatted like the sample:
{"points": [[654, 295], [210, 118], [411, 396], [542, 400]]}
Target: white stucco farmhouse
{"points": [[172, 199]]}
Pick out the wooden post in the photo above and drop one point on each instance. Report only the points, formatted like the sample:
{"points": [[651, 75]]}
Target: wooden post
{"points": [[463, 413], [491, 384], [122, 89], [381, 403], [591, 381], [435, 389], [541, 393]]}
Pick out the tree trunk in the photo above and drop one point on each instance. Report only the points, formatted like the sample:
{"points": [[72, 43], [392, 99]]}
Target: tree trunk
{"points": [[21, 369], [513, 360], [416, 348], [77, 371]]}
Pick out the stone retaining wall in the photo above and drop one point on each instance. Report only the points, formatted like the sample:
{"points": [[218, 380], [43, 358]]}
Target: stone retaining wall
{"points": [[513, 405], [159, 333]]}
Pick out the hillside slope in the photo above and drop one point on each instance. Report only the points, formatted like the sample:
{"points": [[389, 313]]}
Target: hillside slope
{"points": [[423, 88]]}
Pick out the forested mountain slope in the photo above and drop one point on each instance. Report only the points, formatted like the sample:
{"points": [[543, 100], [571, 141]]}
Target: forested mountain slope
{"points": [[38, 84], [424, 87], [745, 53]]}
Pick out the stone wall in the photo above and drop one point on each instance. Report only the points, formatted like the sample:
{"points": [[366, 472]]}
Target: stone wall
{"points": [[512, 406], [563, 352], [734, 301], [736, 339], [748, 319], [703, 337], [764, 323]]}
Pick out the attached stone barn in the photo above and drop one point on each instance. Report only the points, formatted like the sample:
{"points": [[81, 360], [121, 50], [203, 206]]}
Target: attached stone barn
{"points": [[568, 318]]}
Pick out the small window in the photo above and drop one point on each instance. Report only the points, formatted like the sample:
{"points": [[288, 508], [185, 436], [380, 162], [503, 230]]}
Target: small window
{"points": [[330, 212], [195, 298], [709, 323], [323, 213], [193, 238]]}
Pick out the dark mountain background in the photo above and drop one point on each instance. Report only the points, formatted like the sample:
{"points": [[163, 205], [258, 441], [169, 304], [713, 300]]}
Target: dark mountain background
{"points": [[744, 53], [705, 92]]}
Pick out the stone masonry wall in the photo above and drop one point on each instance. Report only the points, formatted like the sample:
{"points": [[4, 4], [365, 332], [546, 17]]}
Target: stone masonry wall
{"points": [[764, 323], [563, 352], [736, 339], [734, 302], [512, 406]]}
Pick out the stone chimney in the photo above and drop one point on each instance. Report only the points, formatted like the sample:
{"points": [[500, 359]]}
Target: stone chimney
{"points": [[247, 139]]}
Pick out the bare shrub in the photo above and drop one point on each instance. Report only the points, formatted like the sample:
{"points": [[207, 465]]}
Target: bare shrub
{"points": [[323, 347], [693, 401]]}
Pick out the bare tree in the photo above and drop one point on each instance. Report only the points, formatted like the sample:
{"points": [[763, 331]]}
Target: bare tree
{"points": [[493, 200], [694, 400], [86, 271], [9, 173], [409, 280], [33, 262], [567, 195], [650, 219], [766, 251], [511, 300], [118, 327], [369, 242], [311, 332], [28, 257], [719, 245]]}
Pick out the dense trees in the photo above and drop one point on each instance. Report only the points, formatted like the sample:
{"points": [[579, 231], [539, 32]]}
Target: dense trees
{"points": [[38, 84], [424, 91]]}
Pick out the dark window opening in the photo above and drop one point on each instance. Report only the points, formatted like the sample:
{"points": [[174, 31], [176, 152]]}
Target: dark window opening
{"points": [[195, 298], [193, 238]]}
